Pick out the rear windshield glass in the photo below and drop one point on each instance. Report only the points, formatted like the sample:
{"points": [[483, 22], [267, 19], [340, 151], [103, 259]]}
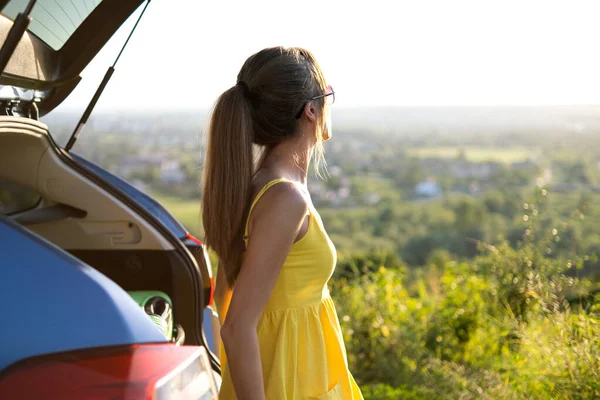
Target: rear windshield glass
{"points": [[53, 21]]}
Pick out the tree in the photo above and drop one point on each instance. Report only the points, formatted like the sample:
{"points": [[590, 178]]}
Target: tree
{"points": [[576, 173], [411, 176], [358, 264], [469, 215]]}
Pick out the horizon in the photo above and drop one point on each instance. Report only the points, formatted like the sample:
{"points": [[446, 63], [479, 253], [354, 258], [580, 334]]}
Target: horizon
{"points": [[341, 108], [403, 120]]}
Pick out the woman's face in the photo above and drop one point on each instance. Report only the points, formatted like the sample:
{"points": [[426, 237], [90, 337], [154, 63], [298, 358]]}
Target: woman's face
{"points": [[327, 126], [327, 131]]}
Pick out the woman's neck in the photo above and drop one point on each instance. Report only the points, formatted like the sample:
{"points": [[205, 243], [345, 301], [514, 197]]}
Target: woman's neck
{"points": [[291, 158]]}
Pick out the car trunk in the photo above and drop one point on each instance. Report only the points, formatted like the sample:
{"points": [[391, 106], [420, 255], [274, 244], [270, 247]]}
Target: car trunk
{"points": [[78, 209], [82, 213]]}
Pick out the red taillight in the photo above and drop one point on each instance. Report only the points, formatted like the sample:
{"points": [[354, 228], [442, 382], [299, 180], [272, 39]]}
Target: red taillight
{"points": [[212, 291], [193, 239], [149, 372]]}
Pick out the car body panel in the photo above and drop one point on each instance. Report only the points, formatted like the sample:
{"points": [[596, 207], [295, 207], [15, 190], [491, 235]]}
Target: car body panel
{"points": [[53, 302]]}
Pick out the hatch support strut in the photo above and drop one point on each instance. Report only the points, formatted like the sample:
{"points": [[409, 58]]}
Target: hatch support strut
{"points": [[15, 34], [107, 76]]}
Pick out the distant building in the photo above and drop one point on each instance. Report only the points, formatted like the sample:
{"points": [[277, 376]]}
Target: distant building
{"points": [[428, 188], [372, 198], [464, 170], [171, 172], [132, 165], [523, 164]]}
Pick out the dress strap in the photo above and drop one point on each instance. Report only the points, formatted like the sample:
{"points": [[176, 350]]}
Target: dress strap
{"points": [[258, 196]]}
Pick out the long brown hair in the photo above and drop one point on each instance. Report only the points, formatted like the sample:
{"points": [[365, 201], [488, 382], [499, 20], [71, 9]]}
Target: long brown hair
{"points": [[255, 114]]}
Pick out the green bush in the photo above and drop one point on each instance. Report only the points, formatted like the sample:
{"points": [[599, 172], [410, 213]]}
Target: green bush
{"points": [[380, 323], [382, 391], [455, 319], [508, 324], [559, 357], [362, 263]]}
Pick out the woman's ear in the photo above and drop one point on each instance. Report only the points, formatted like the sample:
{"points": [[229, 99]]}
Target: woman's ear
{"points": [[310, 111]]}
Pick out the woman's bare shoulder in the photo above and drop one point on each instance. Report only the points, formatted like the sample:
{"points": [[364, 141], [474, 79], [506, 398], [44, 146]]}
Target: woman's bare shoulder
{"points": [[287, 194], [284, 197]]}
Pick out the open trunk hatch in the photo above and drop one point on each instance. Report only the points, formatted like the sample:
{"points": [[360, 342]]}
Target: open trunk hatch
{"points": [[62, 38]]}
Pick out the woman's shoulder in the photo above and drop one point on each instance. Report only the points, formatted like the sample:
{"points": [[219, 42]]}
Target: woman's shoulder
{"points": [[281, 190], [278, 192]]}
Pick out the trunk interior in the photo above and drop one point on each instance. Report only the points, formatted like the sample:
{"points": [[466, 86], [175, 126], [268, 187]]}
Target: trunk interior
{"points": [[86, 218]]}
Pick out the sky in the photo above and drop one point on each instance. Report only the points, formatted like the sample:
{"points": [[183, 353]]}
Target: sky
{"points": [[374, 53]]}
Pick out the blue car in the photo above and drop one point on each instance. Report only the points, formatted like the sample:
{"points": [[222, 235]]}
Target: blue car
{"points": [[104, 294]]}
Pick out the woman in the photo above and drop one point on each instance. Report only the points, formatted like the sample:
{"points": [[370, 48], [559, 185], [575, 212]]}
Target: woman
{"points": [[280, 332]]}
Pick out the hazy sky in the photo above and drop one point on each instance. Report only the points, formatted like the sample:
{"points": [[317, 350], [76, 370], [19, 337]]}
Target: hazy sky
{"points": [[419, 52]]}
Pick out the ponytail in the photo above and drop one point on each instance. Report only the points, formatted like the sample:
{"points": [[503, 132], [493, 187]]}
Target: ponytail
{"points": [[226, 182], [258, 112]]}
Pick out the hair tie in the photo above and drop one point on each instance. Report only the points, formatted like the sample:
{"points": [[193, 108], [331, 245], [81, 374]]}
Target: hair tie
{"points": [[253, 97], [244, 87]]}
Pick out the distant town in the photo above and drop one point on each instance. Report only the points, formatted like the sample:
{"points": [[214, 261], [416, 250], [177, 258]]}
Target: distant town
{"points": [[426, 152]]}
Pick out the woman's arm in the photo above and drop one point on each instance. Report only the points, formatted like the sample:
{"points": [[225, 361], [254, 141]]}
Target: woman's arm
{"points": [[277, 219], [222, 293]]}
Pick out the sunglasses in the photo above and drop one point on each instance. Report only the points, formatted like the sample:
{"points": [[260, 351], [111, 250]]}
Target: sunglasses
{"points": [[329, 100]]}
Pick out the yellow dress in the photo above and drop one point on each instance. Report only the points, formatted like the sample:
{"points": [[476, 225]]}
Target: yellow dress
{"points": [[301, 346]]}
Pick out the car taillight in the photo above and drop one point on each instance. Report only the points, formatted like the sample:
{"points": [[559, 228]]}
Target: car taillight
{"points": [[212, 291], [194, 239], [148, 371]]}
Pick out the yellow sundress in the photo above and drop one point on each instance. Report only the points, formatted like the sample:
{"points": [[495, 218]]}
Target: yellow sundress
{"points": [[302, 351]]}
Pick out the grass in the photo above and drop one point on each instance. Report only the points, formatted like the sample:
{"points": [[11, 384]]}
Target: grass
{"points": [[475, 154], [185, 211], [188, 213]]}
